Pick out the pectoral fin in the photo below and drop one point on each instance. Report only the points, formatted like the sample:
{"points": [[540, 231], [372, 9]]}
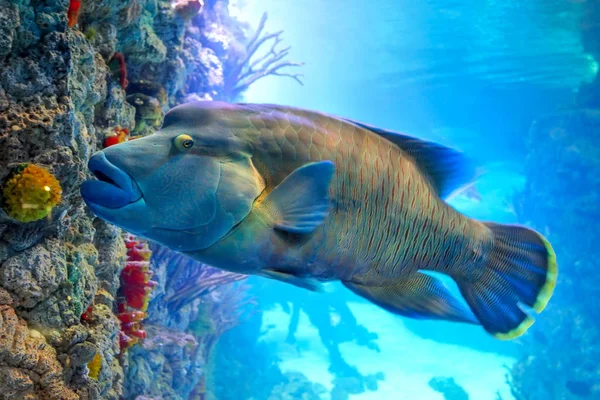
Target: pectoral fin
{"points": [[419, 296], [300, 202], [305, 283]]}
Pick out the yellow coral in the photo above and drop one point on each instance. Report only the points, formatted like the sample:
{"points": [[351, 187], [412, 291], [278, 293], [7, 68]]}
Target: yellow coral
{"points": [[31, 193], [94, 366]]}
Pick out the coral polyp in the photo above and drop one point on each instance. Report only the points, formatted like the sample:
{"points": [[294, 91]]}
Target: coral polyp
{"points": [[30, 193]]}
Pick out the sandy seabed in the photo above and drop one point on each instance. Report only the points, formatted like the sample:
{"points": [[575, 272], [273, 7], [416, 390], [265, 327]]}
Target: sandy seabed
{"points": [[407, 360]]}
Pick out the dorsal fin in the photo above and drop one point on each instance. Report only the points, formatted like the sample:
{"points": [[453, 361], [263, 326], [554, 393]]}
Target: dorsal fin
{"points": [[446, 168]]}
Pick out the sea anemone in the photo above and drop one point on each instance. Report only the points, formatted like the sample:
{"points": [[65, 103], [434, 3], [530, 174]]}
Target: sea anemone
{"points": [[30, 193]]}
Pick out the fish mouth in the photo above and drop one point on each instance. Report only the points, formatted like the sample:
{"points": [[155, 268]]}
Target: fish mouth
{"points": [[114, 188]]}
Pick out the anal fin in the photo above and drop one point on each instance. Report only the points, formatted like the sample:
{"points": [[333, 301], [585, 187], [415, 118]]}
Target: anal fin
{"points": [[305, 283], [418, 296]]}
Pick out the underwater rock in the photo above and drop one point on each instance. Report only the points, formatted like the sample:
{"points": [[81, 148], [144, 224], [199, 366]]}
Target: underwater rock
{"points": [[28, 365], [75, 290], [9, 20], [33, 275]]}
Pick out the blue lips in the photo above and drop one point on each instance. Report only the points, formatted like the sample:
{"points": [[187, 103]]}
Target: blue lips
{"points": [[113, 189]]}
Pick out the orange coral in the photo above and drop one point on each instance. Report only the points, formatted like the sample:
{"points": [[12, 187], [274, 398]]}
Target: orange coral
{"points": [[31, 193], [94, 366]]}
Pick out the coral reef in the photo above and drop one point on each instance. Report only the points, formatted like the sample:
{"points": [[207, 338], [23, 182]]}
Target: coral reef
{"points": [[561, 200], [242, 70], [335, 323], [59, 103], [175, 359], [77, 76], [565, 154], [188, 9], [29, 367], [224, 57]]}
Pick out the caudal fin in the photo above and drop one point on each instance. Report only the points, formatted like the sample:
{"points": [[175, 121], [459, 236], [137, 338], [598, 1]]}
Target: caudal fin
{"points": [[521, 269]]}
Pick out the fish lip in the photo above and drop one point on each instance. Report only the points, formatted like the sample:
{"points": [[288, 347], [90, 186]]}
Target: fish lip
{"points": [[105, 171], [121, 188]]}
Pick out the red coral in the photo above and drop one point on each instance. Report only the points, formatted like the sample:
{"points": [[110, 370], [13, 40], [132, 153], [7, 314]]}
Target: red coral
{"points": [[120, 136], [122, 69], [88, 314], [134, 293], [73, 12]]}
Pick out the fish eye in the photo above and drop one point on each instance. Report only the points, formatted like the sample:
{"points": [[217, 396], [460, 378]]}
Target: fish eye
{"points": [[184, 142]]}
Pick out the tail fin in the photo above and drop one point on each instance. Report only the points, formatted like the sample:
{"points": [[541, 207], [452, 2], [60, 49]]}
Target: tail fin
{"points": [[521, 268]]}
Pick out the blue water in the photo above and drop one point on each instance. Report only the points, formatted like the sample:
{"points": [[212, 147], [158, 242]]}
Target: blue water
{"points": [[469, 74]]}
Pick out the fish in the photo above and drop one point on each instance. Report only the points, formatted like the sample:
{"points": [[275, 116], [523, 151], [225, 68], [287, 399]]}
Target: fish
{"points": [[306, 198]]}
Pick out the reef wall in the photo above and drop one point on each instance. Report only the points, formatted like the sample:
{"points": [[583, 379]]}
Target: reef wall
{"points": [[77, 76], [63, 90], [561, 198]]}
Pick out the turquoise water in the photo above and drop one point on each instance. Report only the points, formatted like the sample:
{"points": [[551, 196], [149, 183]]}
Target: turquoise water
{"points": [[472, 75]]}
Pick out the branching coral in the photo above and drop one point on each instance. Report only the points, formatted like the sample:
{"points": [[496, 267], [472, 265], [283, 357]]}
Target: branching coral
{"points": [[191, 279], [246, 70], [134, 293], [230, 306], [31, 193], [161, 336]]}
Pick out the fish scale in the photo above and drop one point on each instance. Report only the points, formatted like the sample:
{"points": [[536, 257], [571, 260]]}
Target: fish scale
{"points": [[362, 221]]}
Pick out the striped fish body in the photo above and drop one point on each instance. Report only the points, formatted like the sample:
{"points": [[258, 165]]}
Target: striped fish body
{"points": [[346, 201], [386, 219]]}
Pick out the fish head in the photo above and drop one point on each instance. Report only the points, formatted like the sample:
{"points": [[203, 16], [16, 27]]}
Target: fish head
{"points": [[185, 187]]}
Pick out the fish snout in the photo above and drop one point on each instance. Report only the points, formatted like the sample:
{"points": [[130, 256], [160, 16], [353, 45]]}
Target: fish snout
{"points": [[114, 188]]}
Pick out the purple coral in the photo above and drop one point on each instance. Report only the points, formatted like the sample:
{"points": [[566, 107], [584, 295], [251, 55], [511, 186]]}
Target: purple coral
{"points": [[191, 279]]}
